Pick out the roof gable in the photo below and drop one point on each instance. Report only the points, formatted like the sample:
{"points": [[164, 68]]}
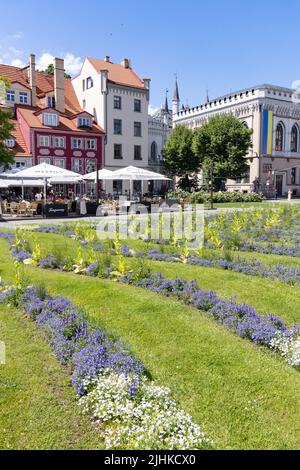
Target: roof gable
{"points": [[117, 73]]}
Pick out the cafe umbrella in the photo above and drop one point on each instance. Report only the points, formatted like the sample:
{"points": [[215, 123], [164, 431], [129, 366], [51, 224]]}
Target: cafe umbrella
{"points": [[133, 173], [48, 173]]}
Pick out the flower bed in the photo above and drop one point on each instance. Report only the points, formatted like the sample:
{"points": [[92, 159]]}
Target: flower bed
{"points": [[130, 410], [239, 318]]}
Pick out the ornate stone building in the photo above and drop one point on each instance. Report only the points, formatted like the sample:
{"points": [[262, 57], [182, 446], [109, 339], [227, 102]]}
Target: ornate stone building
{"points": [[273, 113]]}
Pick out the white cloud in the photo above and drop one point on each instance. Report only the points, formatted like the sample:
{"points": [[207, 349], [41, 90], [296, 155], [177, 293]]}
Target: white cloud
{"points": [[17, 35], [44, 60], [17, 63], [152, 109], [15, 52], [73, 64]]}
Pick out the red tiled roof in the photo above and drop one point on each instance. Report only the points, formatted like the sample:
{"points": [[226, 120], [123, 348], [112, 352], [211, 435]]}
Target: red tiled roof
{"points": [[66, 123], [45, 85], [14, 74], [20, 149], [117, 73]]}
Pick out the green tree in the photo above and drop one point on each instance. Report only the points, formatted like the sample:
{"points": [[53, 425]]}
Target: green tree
{"points": [[221, 146], [50, 70], [6, 126], [179, 158]]}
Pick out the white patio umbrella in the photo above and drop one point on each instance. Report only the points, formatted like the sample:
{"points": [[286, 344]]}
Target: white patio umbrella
{"points": [[47, 173], [102, 175], [44, 170], [133, 173]]}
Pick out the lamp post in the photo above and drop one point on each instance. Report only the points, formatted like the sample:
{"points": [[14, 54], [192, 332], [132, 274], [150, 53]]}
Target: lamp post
{"points": [[211, 188]]}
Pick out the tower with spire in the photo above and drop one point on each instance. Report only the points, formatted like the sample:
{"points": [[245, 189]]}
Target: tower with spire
{"points": [[176, 99]]}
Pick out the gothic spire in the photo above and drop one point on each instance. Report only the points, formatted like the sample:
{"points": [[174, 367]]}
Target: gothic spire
{"points": [[176, 92], [166, 102]]}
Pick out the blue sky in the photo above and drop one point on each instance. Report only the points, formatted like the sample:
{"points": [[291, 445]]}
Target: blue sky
{"points": [[221, 45]]}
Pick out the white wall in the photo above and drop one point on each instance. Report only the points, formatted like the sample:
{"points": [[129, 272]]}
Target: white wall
{"points": [[95, 103]]}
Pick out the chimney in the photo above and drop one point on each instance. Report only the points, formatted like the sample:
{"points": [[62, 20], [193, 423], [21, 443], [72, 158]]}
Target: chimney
{"points": [[104, 77], [59, 84], [32, 79], [147, 82], [107, 58], [125, 63]]}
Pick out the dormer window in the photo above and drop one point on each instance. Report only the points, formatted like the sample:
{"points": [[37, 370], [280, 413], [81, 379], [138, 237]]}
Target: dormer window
{"points": [[10, 96], [23, 97], [10, 143], [50, 102], [50, 119], [84, 122]]}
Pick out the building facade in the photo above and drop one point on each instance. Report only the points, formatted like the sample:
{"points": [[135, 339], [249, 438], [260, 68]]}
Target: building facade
{"points": [[273, 114], [49, 125], [118, 99], [159, 130]]}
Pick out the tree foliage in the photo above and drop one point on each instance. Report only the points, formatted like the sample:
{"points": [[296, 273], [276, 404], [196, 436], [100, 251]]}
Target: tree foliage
{"points": [[221, 146], [6, 126], [50, 70], [179, 158]]}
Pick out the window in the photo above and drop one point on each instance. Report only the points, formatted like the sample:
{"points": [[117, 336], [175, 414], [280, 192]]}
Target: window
{"points": [[77, 143], [118, 186], [153, 151], [137, 152], [45, 160], [294, 139], [10, 96], [44, 141], [50, 119], [59, 142], [77, 165], [293, 175], [90, 165], [59, 162], [83, 104], [89, 83], [84, 122], [117, 126], [279, 138], [50, 101], [137, 106], [137, 129], [20, 165], [91, 144], [23, 97], [83, 85], [246, 178], [118, 151], [10, 143], [117, 102]]}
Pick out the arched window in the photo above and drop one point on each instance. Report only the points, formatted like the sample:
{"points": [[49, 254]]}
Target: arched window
{"points": [[294, 138], [153, 151], [279, 138]]}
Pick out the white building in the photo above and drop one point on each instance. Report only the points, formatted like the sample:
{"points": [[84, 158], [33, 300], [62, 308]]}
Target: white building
{"points": [[119, 101], [274, 115], [159, 130]]}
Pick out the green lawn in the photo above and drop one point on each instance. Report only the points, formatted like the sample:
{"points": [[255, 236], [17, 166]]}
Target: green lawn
{"points": [[38, 407], [266, 295], [243, 396]]}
